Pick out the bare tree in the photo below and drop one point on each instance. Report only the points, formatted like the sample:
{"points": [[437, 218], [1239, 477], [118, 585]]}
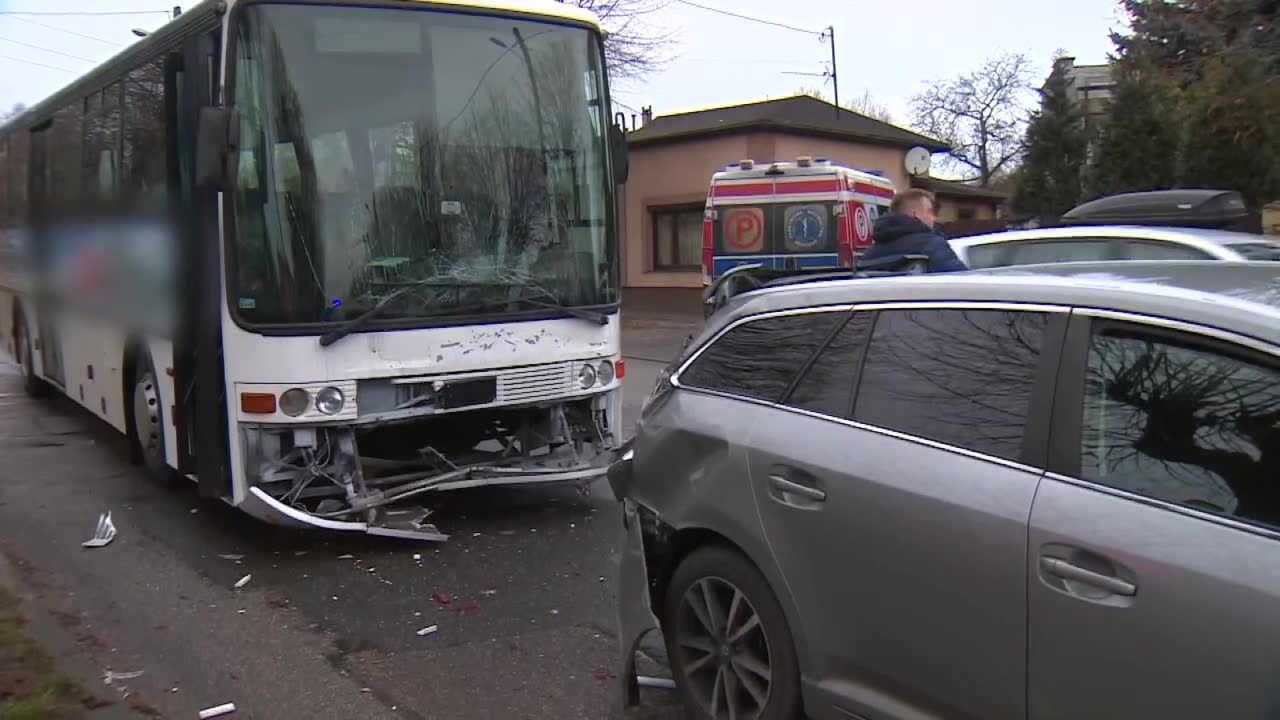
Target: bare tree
{"points": [[18, 109], [980, 114], [634, 46], [864, 104]]}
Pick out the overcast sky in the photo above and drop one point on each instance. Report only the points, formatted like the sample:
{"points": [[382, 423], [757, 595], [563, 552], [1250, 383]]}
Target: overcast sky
{"points": [[891, 49]]}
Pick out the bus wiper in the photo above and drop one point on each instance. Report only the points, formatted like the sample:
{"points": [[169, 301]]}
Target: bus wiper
{"points": [[363, 319], [590, 315], [372, 313]]}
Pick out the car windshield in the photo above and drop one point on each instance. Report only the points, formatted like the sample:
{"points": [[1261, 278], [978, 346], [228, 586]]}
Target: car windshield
{"points": [[460, 155]]}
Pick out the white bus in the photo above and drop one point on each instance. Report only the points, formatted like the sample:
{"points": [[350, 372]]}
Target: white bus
{"points": [[325, 258]]}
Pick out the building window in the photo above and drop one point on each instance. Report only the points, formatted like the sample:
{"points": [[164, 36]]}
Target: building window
{"points": [[677, 238], [966, 213]]}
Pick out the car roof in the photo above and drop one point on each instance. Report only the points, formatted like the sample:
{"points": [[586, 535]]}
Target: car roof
{"points": [[1189, 236], [1239, 297]]}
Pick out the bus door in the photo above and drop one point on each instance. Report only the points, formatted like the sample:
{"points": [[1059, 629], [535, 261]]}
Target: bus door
{"points": [[199, 378], [44, 244]]}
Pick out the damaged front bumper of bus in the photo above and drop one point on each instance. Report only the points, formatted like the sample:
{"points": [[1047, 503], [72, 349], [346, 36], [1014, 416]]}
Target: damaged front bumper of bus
{"points": [[374, 473]]}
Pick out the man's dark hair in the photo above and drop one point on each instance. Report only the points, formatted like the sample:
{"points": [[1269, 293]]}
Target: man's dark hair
{"points": [[908, 198]]}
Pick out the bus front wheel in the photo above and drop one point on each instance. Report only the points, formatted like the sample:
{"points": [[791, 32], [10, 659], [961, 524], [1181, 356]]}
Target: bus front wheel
{"points": [[148, 418]]}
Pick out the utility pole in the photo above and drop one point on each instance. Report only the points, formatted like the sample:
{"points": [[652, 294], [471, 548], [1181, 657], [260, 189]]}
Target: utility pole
{"points": [[830, 35]]}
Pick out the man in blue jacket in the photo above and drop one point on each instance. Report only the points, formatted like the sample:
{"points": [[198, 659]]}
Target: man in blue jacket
{"points": [[907, 229]]}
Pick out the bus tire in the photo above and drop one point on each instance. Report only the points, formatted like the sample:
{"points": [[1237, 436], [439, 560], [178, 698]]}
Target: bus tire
{"points": [[147, 418], [34, 386]]}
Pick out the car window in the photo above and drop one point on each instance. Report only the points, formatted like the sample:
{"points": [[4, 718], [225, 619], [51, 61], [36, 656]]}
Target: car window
{"points": [[827, 386], [960, 377], [1258, 251], [1156, 250], [982, 256], [1052, 251], [1183, 423], [760, 358]]}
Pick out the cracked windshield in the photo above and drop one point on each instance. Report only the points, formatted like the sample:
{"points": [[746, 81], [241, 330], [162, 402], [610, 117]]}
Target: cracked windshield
{"points": [[430, 165]]}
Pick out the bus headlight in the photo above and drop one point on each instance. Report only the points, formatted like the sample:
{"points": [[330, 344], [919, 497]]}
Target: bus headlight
{"points": [[294, 402], [329, 401], [587, 377], [605, 373]]}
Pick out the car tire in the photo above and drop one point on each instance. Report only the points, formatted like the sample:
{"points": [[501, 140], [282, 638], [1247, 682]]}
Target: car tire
{"points": [[147, 418], [728, 640], [31, 383]]}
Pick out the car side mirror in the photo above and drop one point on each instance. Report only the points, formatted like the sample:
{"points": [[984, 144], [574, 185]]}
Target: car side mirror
{"points": [[618, 149], [217, 145]]}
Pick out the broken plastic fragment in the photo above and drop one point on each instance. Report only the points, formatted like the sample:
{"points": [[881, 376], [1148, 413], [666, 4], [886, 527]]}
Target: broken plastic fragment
{"points": [[243, 581], [428, 630], [231, 557], [488, 593], [443, 598], [346, 557], [656, 682], [417, 556], [104, 533], [109, 677], [218, 711]]}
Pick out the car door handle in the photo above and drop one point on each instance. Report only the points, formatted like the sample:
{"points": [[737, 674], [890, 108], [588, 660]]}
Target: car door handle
{"points": [[1067, 571], [784, 485]]}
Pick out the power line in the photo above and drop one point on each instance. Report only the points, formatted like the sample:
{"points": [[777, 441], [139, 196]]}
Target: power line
{"points": [[44, 49], [32, 62], [72, 32], [749, 18], [76, 14]]}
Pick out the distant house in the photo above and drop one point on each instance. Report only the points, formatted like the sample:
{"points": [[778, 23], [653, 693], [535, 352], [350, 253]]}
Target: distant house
{"points": [[1271, 218], [673, 157]]}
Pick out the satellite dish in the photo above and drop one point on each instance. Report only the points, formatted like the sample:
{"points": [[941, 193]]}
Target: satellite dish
{"points": [[917, 161]]}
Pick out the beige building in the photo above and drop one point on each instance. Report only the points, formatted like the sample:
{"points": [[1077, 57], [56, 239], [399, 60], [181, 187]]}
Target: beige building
{"points": [[1271, 218], [673, 157]]}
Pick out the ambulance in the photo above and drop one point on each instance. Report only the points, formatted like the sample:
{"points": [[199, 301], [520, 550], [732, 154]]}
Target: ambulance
{"points": [[790, 215]]}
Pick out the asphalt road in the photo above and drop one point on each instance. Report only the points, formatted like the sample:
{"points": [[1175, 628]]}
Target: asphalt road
{"points": [[327, 626]]}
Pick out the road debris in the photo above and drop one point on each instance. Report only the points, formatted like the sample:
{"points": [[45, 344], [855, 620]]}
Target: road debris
{"points": [[417, 557], [104, 533], [488, 593], [602, 674], [428, 630], [109, 677], [656, 682], [443, 598], [230, 556], [218, 711], [243, 581]]}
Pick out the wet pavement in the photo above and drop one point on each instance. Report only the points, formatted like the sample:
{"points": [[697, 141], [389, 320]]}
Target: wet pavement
{"points": [[327, 626]]}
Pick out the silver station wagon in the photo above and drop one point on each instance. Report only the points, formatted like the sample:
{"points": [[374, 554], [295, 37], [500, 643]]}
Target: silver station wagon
{"points": [[1040, 493], [1093, 243]]}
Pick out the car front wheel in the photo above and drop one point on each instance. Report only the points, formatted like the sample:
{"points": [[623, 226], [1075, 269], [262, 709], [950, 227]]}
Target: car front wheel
{"points": [[730, 648]]}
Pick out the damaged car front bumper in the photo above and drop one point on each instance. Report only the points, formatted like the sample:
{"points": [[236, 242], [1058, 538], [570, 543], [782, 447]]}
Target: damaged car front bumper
{"points": [[636, 617]]}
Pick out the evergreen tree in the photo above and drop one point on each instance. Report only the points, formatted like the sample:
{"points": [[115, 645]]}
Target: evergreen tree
{"points": [[1233, 129], [1137, 146], [1213, 65], [1050, 177]]}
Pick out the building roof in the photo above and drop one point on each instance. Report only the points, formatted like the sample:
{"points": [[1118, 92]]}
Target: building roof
{"points": [[947, 188], [800, 115]]}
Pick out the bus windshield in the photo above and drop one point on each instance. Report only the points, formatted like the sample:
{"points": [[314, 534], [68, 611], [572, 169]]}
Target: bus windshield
{"points": [[460, 156]]}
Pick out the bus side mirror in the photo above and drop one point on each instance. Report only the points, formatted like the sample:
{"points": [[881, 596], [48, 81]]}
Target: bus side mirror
{"points": [[217, 139], [618, 149]]}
